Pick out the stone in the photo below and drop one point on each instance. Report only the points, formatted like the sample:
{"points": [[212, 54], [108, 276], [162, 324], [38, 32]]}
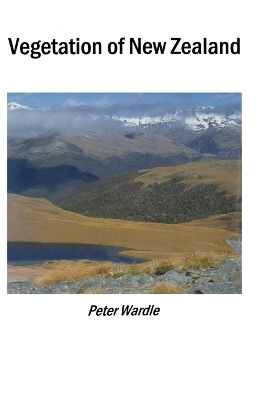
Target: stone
{"points": [[174, 277]]}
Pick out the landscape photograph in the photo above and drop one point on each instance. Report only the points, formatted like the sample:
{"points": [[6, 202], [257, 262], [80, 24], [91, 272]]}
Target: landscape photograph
{"points": [[124, 193]]}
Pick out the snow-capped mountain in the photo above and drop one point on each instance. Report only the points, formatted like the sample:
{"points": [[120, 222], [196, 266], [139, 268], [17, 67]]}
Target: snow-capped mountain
{"points": [[197, 120], [15, 106]]}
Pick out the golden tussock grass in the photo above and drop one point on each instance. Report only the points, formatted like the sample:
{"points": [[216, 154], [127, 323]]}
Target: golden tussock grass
{"points": [[167, 288], [203, 260], [72, 272], [197, 260], [77, 271], [226, 173]]}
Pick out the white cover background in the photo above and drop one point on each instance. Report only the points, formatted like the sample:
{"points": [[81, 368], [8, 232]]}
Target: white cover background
{"points": [[205, 347]]}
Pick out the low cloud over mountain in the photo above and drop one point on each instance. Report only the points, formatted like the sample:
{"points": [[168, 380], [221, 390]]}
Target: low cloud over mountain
{"points": [[78, 118]]}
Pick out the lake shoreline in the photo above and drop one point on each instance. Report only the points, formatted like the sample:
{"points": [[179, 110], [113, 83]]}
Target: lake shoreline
{"points": [[226, 279]]}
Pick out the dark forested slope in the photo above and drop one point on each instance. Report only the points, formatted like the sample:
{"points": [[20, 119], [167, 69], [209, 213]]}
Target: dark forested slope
{"points": [[167, 195]]}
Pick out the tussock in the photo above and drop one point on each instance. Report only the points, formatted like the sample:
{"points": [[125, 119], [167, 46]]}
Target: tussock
{"points": [[167, 288], [202, 260], [78, 271], [73, 272]]}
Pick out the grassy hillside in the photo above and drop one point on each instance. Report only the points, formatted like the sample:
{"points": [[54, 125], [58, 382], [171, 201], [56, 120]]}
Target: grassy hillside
{"points": [[38, 220], [167, 195]]}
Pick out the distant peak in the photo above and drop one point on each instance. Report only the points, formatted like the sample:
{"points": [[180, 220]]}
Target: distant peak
{"points": [[14, 106]]}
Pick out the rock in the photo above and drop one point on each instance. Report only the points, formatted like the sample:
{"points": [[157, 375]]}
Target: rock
{"points": [[174, 277], [22, 287], [193, 273], [217, 288]]}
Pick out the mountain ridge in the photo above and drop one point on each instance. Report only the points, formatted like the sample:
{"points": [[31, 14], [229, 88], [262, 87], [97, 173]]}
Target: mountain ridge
{"points": [[130, 144]]}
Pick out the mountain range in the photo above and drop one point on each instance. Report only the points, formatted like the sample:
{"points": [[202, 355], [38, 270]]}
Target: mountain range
{"points": [[54, 164], [195, 119]]}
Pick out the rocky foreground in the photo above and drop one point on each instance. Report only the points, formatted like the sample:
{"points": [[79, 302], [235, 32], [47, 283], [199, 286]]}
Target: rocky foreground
{"points": [[226, 279]]}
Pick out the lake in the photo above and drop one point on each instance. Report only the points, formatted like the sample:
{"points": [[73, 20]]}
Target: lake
{"points": [[23, 254]]}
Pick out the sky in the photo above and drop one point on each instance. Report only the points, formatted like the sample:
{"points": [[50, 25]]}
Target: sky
{"points": [[118, 100], [77, 113]]}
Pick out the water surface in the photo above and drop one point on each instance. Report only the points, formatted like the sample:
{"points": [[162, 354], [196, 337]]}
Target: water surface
{"points": [[21, 253]]}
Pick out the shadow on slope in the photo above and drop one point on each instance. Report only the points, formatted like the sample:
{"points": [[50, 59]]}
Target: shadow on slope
{"points": [[50, 182]]}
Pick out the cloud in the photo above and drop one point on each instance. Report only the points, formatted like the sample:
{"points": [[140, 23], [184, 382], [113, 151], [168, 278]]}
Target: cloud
{"points": [[122, 108], [68, 120], [75, 117]]}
